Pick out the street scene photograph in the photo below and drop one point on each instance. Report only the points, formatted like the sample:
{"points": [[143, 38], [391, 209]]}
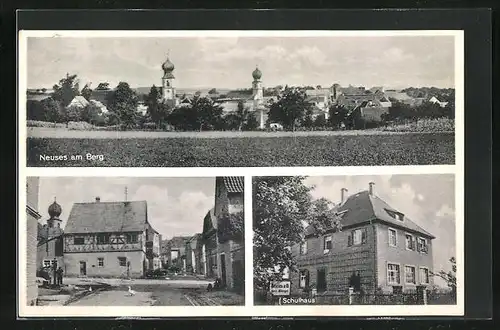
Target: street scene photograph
{"points": [[237, 99], [134, 241], [355, 240]]}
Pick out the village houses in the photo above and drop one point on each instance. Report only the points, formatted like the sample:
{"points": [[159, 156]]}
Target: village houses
{"points": [[223, 256], [110, 239], [378, 245]]}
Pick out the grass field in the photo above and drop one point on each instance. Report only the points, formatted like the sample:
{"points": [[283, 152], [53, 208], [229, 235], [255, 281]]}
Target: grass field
{"points": [[326, 150]]}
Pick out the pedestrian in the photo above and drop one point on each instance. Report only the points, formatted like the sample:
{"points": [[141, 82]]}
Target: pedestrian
{"points": [[60, 276]]}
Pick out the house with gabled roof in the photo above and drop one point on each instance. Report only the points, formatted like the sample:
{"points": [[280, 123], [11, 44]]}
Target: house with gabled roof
{"points": [[377, 244], [223, 253], [110, 239]]}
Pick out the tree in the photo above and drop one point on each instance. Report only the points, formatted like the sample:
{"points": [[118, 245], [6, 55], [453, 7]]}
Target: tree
{"points": [[337, 114], [290, 107], [212, 91], [123, 101], [66, 90], [320, 121], [280, 206], [450, 277], [92, 114], [158, 111], [208, 114], [52, 110], [230, 226], [308, 119], [34, 110], [86, 92]]}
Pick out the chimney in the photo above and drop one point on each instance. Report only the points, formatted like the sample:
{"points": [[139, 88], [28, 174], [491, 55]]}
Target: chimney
{"points": [[97, 199], [370, 189], [342, 195]]}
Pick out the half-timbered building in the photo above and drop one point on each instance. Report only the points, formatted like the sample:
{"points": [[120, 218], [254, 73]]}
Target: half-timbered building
{"points": [[110, 239], [223, 254], [377, 248]]}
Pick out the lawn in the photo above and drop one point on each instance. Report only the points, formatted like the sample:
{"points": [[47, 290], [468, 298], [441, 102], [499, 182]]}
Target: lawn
{"points": [[327, 150]]}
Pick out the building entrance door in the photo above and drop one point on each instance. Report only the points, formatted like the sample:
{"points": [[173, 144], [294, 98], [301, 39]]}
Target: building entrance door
{"points": [[223, 269], [83, 268], [321, 284]]}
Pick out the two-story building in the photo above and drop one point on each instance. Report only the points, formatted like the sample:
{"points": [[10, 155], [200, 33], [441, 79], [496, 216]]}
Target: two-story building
{"points": [[224, 257], [32, 217], [175, 252], [377, 243], [110, 239], [194, 254]]}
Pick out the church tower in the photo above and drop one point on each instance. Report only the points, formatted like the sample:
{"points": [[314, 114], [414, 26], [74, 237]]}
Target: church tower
{"points": [[168, 91], [258, 94], [54, 213]]}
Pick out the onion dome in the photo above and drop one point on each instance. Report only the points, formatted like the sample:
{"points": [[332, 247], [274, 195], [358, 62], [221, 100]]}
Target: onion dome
{"points": [[256, 74], [168, 66], [55, 210]]}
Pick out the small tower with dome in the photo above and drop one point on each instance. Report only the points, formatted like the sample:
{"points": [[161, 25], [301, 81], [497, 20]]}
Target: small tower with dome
{"points": [[54, 211], [258, 93], [168, 90]]}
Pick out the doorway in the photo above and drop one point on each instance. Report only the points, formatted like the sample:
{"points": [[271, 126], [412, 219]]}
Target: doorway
{"points": [[223, 269], [83, 268], [321, 284]]}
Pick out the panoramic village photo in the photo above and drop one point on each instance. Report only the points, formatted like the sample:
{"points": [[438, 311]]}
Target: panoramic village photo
{"points": [[115, 241], [355, 240], [238, 99]]}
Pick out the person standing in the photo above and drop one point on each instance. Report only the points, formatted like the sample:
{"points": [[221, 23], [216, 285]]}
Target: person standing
{"points": [[60, 276]]}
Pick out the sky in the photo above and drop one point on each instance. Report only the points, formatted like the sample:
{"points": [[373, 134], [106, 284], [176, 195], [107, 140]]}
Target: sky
{"points": [[228, 62], [176, 206], [426, 199]]}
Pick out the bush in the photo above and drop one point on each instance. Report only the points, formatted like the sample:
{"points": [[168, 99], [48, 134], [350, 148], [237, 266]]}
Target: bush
{"points": [[423, 125], [39, 123], [80, 126]]}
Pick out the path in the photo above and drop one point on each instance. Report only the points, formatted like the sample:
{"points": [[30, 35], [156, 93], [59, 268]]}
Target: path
{"points": [[63, 133]]}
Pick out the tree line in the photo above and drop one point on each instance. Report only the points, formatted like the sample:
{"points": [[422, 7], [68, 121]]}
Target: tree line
{"points": [[290, 108]]}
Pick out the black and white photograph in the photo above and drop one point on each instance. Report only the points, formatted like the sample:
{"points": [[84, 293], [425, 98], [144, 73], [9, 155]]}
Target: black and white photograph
{"points": [[240, 98], [134, 241], [356, 240]]}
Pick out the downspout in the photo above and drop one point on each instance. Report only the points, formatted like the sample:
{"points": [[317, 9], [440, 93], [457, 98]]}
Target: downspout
{"points": [[375, 259]]}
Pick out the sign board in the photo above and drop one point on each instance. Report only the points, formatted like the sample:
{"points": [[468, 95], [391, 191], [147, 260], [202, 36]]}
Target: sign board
{"points": [[280, 288]]}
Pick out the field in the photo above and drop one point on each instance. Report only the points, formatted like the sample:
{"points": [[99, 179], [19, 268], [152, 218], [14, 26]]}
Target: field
{"points": [[223, 149]]}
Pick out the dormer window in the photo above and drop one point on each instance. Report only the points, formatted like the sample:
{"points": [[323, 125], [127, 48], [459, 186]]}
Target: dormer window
{"points": [[396, 215]]}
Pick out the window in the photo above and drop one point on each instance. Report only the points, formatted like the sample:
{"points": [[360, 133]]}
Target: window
{"points": [[357, 237], [410, 276], [327, 243], [122, 261], [303, 248], [132, 238], [46, 263], [78, 240], [393, 237], [304, 279], [410, 242], [424, 275], [100, 262], [422, 245], [393, 274], [103, 238]]}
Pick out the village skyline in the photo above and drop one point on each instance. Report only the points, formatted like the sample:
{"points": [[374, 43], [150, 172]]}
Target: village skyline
{"points": [[227, 63], [414, 195], [167, 199]]}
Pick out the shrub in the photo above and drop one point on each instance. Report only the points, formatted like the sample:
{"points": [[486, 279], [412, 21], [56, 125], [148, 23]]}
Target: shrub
{"points": [[423, 125], [79, 126]]}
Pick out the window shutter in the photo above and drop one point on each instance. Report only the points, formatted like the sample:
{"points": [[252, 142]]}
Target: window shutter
{"points": [[363, 236], [349, 239], [418, 246]]}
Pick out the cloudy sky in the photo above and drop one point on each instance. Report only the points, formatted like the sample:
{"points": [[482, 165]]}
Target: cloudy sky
{"points": [[176, 206], [227, 62], [428, 200]]}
